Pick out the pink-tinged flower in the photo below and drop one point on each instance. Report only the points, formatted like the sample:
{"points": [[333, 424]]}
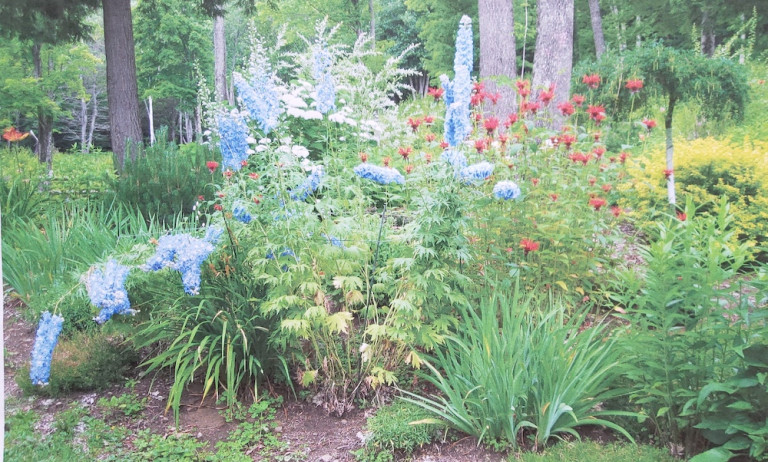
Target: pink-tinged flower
{"points": [[201, 198], [428, 119], [682, 216], [616, 210], [634, 85], [668, 173], [480, 145], [529, 245], [212, 165], [12, 135], [444, 144], [491, 124], [253, 175], [428, 158], [386, 161], [229, 173], [567, 140], [535, 181], [623, 157], [408, 168], [592, 181], [612, 159], [477, 99], [596, 113], [579, 157], [761, 82], [566, 108], [414, 123], [503, 138], [553, 197], [405, 152], [607, 187], [578, 100], [436, 93], [478, 87], [546, 96], [363, 157], [511, 120], [430, 137], [244, 163], [218, 207], [494, 97], [523, 88], [597, 203], [598, 152], [592, 81], [220, 195], [532, 107], [257, 199], [478, 117], [597, 136], [649, 124]]}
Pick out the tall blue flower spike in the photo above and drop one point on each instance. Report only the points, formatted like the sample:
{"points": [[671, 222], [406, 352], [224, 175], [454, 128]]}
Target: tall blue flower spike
{"points": [[259, 97], [310, 184], [106, 289], [325, 86], [381, 175], [46, 338], [233, 140], [183, 253]]}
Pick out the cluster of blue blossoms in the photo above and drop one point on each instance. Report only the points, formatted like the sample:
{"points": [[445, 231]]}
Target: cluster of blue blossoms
{"points": [[325, 88], [310, 184], [240, 213], [381, 175], [476, 172], [233, 140], [47, 336], [458, 92], [506, 190], [259, 97], [184, 254], [106, 289], [457, 160]]}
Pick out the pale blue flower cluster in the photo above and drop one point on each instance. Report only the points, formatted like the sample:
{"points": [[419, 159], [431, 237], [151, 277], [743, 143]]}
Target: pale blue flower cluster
{"points": [[464, 42], [184, 254], [476, 172], [285, 253], [457, 160], [310, 184], [213, 234], [106, 289], [240, 213], [233, 140], [335, 241], [325, 86], [458, 125], [259, 97], [381, 175], [506, 190], [48, 330], [447, 85]]}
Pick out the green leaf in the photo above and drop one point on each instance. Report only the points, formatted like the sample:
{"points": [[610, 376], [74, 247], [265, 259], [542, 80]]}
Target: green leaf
{"points": [[713, 455]]}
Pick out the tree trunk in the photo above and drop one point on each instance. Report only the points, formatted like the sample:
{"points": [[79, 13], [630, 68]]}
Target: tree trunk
{"points": [[219, 58], [122, 91], [707, 34], [95, 111], [373, 24], [151, 118], [597, 27], [83, 125], [198, 123], [553, 61], [670, 150], [45, 127], [743, 38], [620, 27], [497, 50]]}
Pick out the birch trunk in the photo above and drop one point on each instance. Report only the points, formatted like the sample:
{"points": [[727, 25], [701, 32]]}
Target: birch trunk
{"points": [[597, 27], [151, 118], [219, 58]]}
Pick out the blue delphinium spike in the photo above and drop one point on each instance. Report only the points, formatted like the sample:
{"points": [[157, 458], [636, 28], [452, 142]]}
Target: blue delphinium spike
{"points": [[381, 175], [310, 184], [457, 160], [259, 97], [106, 289], [506, 190], [233, 140], [476, 172], [464, 52], [325, 87], [213, 234], [447, 85], [48, 330], [240, 213], [183, 253]]}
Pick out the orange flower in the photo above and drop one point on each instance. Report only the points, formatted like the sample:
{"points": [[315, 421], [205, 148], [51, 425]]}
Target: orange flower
{"points": [[13, 135]]}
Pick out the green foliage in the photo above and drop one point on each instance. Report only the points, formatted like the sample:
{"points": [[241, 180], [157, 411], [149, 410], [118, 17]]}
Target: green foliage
{"points": [[173, 447], [86, 361], [257, 428], [687, 325], [395, 431], [128, 403], [547, 388], [164, 182], [592, 451]]}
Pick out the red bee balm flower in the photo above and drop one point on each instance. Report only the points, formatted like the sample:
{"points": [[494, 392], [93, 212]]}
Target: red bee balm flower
{"points": [[667, 173], [528, 245], [567, 140], [405, 152], [649, 124], [592, 81], [511, 120], [414, 123], [634, 85], [623, 157], [12, 135], [444, 144], [436, 93], [363, 157], [597, 202], [386, 161], [408, 168], [494, 97], [218, 207], [578, 100], [566, 108], [480, 145], [607, 188], [596, 113], [535, 181], [553, 197], [682, 216], [430, 137], [428, 119], [491, 124], [212, 165], [253, 176], [616, 210], [477, 99], [228, 174], [546, 96]]}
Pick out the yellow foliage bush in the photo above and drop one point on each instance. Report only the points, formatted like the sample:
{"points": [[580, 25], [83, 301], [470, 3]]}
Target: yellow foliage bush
{"points": [[708, 169]]}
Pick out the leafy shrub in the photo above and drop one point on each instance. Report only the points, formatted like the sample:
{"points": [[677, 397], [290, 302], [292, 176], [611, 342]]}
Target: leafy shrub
{"points": [[591, 451], [395, 430], [165, 180], [128, 403], [176, 446], [84, 362], [549, 386]]}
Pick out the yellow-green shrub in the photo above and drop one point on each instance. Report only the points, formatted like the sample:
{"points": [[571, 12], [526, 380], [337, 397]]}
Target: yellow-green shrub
{"points": [[707, 169]]}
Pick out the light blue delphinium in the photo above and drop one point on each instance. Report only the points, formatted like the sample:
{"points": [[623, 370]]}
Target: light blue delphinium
{"points": [[476, 172], [284, 253], [213, 234], [324, 84], [457, 125], [309, 185], [184, 254], [462, 89], [506, 190], [240, 213], [106, 289], [233, 140], [447, 85], [381, 175], [48, 330], [334, 241], [457, 160], [259, 97], [464, 56]]}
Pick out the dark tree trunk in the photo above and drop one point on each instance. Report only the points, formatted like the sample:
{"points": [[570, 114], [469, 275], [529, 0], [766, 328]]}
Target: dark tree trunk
{"points": [[597, 27], [94, 113], [707, 34], [44, 120], [122, 91], [219, 58], [497, 50], [553, 61]]}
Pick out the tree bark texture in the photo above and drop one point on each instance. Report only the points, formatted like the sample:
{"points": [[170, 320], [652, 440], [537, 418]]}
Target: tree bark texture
{"points": [[373, 24], [707, 34], [94, 113], [670, 149], [597, 27], [83, 125], [122, 91], [151, 119], [553, 61], [219, 58], [497, 51]]}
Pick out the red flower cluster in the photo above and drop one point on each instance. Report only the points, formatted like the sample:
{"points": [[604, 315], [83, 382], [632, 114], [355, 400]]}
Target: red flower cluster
{"points": [[491, 124], [649, 124], [597, 202], [428, 119], [430, 137], [253, 175], [598, 152], [532, 107], [511, 119], [623, 157], [212, 165], [592, 81], [523, 88], [546, 96], [682, 216], [405, 152], [567, 139], [386, 161], [12, 135], [566, 108], [436, 93], [578, 100], [529, 245], [579, 157], [634, 85], [596, 113], [668, 173], [481, 145], [363, 157], [414, 123]]}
